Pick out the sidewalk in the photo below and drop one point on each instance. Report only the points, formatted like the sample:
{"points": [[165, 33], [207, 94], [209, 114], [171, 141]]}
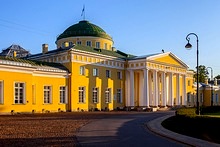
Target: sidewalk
{"points": [[156, 127]]}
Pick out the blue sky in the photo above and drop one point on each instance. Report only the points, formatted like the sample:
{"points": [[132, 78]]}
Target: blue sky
{"points": [[138, 27]]}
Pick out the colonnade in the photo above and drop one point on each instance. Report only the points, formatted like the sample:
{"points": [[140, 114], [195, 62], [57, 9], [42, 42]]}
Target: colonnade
{"points": [[154, 88]]}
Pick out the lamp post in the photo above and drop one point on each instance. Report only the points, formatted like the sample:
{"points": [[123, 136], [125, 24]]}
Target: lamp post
{"points": [[211, 84], [189, 46]]}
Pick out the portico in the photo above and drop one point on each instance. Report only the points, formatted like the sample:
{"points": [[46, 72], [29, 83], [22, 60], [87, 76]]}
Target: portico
{"points": [[152, 81]]}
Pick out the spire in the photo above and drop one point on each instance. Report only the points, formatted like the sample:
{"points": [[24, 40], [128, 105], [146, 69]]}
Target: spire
{"points": [[83, 12]]}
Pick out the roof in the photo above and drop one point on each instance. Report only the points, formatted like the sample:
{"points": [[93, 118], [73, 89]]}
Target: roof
{"points": [[20, 51], [84, 28], [117, 53], [32, 63]]}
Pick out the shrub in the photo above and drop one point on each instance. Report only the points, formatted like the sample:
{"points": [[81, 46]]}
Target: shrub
{"points": [[186, 112], [210, 109]]}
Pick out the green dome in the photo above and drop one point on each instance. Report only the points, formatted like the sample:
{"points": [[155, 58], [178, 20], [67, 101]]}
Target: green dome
{"points": [[84, 28]]}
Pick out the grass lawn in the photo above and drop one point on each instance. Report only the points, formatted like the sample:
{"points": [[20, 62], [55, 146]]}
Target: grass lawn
{"points": [[202, 127]]}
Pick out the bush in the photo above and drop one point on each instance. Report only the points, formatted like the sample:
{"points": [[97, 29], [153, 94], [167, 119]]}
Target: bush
{"points": [[210, 109], [186, 112]]}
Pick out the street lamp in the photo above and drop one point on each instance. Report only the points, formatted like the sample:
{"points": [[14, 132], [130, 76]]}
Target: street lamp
{"points": [[211, 84], [189, 46]]}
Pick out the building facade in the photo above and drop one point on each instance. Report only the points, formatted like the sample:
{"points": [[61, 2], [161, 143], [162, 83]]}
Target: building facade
{"points": [[87, 73]]}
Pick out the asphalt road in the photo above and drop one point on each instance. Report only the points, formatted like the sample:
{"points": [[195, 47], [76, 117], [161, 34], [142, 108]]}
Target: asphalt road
{"points": [[124, 130]]}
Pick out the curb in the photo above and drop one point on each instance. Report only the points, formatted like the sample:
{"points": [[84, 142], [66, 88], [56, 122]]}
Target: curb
{"points": [[156, 127]]}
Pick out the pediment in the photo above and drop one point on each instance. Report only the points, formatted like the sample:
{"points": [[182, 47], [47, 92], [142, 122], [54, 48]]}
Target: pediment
{"points": [[167, 58]]}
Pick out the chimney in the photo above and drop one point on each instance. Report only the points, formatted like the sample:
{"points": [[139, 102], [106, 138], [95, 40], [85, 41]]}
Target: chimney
{"points": [[44, 48], [14, 54]]}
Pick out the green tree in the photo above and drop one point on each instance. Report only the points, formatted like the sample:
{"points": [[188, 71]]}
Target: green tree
{"points": [[202, 74]]}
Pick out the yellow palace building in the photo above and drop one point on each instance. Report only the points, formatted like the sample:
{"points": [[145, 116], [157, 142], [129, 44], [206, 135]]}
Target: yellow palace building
{"points": [[87, 73]]}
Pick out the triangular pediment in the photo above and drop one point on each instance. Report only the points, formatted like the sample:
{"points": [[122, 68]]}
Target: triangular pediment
{"points": [[167, 58]]}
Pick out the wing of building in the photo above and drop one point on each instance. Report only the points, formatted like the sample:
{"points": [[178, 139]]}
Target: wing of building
{"points": [[87, 73]]}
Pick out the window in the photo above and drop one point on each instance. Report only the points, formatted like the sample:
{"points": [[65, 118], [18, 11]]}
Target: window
{"points": [[201, 98], [19, 95], [95, 95], [105, 46], [47, 94], [119, 75], [216, 98], [95, 72], [108, 73], [82, 70], [188, 97], [70, 44], [88, 43], [119, 96], [79, 42], [97, 44], [63, 95], [188, 82], [81, 94], [1, 93], [108, 95]]}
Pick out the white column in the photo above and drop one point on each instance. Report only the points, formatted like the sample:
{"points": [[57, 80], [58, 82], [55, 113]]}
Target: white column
{"points": [[141, 88], [184, 101], [171, 89], [177, 89], [150, 89], [131, 88], [146, 88], [163, 90], [155, 88], [127, 86]]}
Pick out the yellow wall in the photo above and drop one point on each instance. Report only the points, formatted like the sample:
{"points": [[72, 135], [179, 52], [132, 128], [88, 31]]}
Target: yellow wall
{"points": [[85, 39], [33, 91]]}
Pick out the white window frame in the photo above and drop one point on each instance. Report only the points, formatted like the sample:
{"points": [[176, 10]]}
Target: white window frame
{"points": [[108, 95], [95, 72], [81, 94], [89, 43], [47, 94], [18, 97], [108, 73], [119, 75], [188, 97], [95, 95], [119, 95], [1, 92], [82, 70], [63, 94], [97, 44]]}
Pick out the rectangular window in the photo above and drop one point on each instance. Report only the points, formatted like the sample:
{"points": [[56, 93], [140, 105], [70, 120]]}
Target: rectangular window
{"points": [[82, 70], [47, 95], [108, 73], [81, 94], [95, 95], [119, 96], [97, 44], [63, 95], [188, 82], [216, 98], [105, 46], [188, 97], [1, 93], [119, 75], [88, 43], [19, 95], [201, 98], [108, 95], [79, 42], [95, 72]]}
